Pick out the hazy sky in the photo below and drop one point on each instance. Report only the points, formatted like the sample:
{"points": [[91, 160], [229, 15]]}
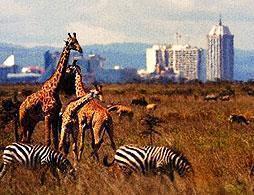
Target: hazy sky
{"points": [[46, 22]]}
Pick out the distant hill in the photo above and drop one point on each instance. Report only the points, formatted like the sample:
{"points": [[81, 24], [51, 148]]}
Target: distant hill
{"points": [[124, 54]]}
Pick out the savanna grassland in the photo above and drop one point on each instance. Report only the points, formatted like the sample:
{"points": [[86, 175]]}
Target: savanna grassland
{"points": [[221, 153]]}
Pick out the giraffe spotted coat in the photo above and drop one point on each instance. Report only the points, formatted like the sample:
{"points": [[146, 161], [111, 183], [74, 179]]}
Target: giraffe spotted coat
{"points": [[45, 104], [92, 116]]}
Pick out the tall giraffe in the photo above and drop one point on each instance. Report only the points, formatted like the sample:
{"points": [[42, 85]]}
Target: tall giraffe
{"points": [[45, 103], [90, 116]]}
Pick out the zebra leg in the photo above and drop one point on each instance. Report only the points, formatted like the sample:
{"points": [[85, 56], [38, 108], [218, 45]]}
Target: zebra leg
{"points": [[53, 171], [12, 170], [5, 168], [42, 173]]}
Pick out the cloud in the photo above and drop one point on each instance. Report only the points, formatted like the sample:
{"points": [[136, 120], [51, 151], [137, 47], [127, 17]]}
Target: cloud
{"points": [[89, 34], [106, 21], [13, 8]]}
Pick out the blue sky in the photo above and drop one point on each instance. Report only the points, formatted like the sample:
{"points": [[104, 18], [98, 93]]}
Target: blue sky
{"points": [[46, 22]]}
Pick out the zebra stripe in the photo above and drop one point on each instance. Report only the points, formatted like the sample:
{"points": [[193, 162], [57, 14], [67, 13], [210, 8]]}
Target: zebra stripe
{"points": [[33, 157], [151, 158]]}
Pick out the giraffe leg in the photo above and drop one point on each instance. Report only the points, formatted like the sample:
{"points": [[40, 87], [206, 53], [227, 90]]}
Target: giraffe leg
{"points": [[109, 129], [98, 133], [75, 144], [23, 133], [66, 144], [30, 131], [95, 149], [82, 130], [47, 130], [24, 130], [55, 127]]}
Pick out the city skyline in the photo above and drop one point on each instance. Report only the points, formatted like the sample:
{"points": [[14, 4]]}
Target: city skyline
{"points": [[45, 23]]}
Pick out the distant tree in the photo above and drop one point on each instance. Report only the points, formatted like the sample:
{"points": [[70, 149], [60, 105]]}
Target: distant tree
{"points": [[150, 122]]}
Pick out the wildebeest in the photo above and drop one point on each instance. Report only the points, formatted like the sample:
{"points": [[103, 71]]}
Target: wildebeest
{"points": [[139, 101], [121, 110], [225, 98], [211, 97], [238, 119], [151, 106], [250, 92]]}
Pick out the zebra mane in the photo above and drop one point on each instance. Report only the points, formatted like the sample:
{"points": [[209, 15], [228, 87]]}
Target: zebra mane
{"points": [[179, 153]]}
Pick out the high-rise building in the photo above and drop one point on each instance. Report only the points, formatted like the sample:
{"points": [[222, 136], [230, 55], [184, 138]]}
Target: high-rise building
{"points": [[220, 54], [155, 56], [183, 60]]}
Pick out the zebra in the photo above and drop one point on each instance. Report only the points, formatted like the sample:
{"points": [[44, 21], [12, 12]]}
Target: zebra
{"points": [[36, 157], [150, 159]]}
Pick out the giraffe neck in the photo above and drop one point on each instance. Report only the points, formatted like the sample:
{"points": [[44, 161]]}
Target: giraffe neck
{"points": [[79, 85], [81, 102], [55, 80]]}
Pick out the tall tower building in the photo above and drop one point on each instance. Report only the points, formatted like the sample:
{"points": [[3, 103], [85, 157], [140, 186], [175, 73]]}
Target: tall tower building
{"points": [[220, 53]]}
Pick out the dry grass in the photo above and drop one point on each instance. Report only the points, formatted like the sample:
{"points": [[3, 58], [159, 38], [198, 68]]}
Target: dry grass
{"points": [[220, 153]]}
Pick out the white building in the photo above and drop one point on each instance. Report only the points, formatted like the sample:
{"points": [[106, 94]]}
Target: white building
{"points": [[155, 56], [182, 60], [7, 67], [185, 61], [220, 54]]}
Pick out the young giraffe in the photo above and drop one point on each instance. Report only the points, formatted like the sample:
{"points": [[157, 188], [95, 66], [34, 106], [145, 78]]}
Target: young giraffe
{"points": [[91, 116], [67, 127], [45, 103]]}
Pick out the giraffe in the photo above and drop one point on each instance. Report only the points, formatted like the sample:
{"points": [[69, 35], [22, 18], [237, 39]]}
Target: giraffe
{"points": [[45, 103], [90, 116], [69, 115]]}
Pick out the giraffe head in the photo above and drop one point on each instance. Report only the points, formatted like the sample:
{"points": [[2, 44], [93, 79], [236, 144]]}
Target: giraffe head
{"points": [[98, 90], [70, 78], [74, 70], [72, 43], [68, 86]]}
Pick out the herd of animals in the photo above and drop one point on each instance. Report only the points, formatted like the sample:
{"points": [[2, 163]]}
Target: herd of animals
{"points": [[83, 114]]}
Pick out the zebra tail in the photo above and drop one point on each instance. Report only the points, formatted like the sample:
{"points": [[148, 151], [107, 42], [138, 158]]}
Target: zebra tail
{"points": [[1, 166], [2, 147], [106, 163]]}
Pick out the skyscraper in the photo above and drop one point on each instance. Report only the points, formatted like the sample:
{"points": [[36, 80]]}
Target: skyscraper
{"points": [[220, 53]]}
